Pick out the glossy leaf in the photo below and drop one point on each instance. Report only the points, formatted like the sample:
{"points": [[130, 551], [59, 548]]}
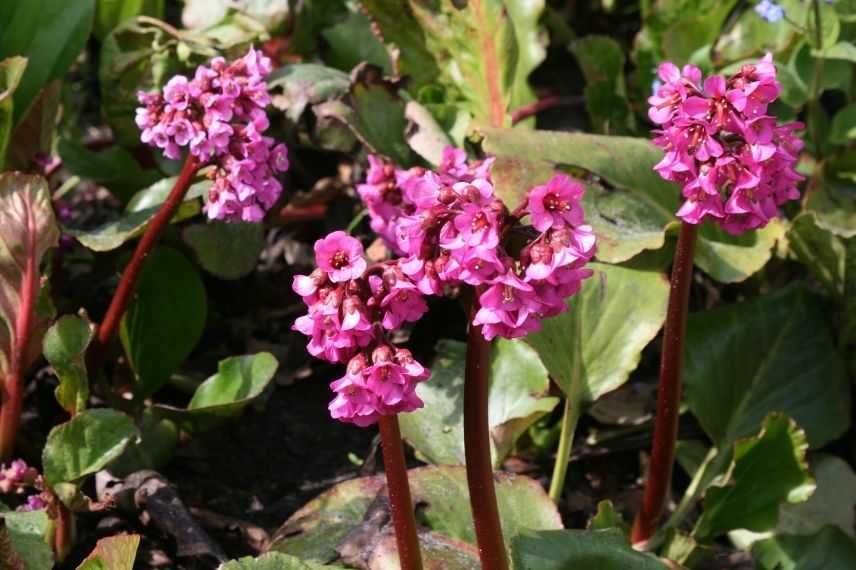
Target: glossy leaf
{"points": [[828, 549], [227, 250], [834, 207], [821, 251], [113, 168], [424, 134], [50, 36], [153, 449], [11, 70], [295, 86], [165, 320], [618, 312], [24, 534], [561, 549], [518, 397], [113, 553], [314, 532], [140, 210], [833, 501], [748, 359], [85, 444], [843, 128], [65, 349], [352, 42], [202, 14], [27, 231], [637, 209], [238, 381], [274, 561], [769, 470]]}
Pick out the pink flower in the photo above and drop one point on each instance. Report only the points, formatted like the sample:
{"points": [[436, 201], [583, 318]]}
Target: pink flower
{"points": [[341, 256], [556, 203]]}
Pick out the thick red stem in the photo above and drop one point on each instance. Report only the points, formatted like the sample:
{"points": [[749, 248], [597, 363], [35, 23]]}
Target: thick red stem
{"points": [[477, 450], [399, 494], [669, 392], [63, 530], [13, 389], [119, 302], [549, 102], [290, 213]]}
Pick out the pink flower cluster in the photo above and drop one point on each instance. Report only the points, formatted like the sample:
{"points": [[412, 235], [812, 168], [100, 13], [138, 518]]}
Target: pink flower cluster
{"points": [[351, 307], [734, 162], [16, 478], [219, 115], [449, 225]]}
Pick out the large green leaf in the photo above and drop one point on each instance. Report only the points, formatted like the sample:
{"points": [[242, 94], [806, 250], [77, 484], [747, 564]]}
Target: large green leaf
{"points": [[769, 469], [833, 502], [295, 86], [748, 359], [828, 549], [314, 532], [65, 348], [352, 42], [602, 61], [113, 168], [85, 444], [438, 551], [140, 210], [11, 70], [752, 37], [821, 251], [25, 534], [583, 549], [50, 33], [165, 320], [517, 397], [113, 553], [207, 13], [27, 230], [110, 13], [227, 250], [615, 315], [238, 381], [153, 449], [274, 561], [634, 210], [834, 207]]}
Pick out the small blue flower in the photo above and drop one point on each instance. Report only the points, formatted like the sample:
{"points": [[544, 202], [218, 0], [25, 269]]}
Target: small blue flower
{"points": [[769, 11]]}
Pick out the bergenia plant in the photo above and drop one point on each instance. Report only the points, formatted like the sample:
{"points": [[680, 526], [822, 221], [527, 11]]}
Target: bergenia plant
{"points": [[736, 166], [450, 230], [219, 117]]}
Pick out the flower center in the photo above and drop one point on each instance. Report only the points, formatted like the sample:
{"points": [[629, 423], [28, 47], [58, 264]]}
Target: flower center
{"points": [[553, 203], [339, 260]]}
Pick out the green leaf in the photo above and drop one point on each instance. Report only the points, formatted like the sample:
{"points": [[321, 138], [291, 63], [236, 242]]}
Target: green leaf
{"points": [[314, 531], [27, 231], [821, 251], [274, 561], [227, 250], [295, 86], [602, 61], [843, 50], [617, 313], [50, 34], [833, 501], [424, 134], [843, 127], [607, 517], [25, 535], [352, 42], [768, 470], [438, 551], [139, 211], [85, 444], [752, 37], [110, 13], [165, 320], [11, 70], [113, 168], [834, 207], [206, 13], [65, 349], [113, 553], [828, 549], [563, 549], [748, 359], [636, 211], [518, 397], [152, 450], [239, 380]]}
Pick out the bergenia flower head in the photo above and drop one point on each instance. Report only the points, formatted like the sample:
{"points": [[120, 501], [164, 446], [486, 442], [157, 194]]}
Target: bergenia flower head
{"points": [[449, 229], [219, 116], [734, 162]]}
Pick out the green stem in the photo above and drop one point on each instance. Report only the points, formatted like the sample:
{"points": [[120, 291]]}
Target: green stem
{"points": [[570, 417]]}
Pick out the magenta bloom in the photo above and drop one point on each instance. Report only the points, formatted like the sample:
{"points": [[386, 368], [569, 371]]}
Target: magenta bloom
{"points": [[340, 256], [735, 164], [219, 117], [556, 203]]}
